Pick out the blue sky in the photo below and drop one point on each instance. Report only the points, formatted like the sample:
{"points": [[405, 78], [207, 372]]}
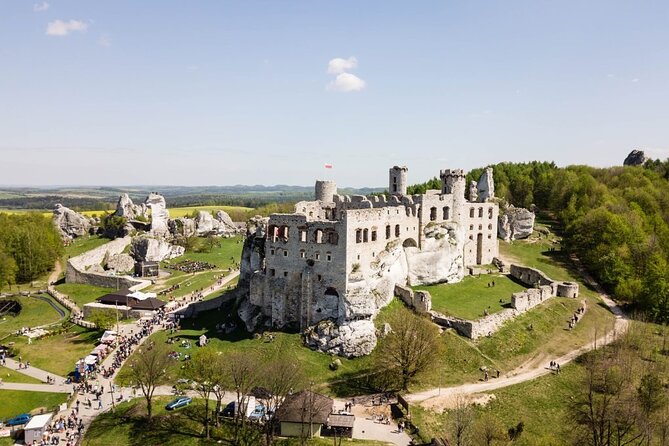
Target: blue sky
{"points": [[216, 93]]}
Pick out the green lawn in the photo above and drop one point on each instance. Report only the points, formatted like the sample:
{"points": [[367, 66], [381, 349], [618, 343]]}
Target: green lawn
{"points": [[82, 244], [222, 256], [469, 298], [82, 294], [188, 210], [34, 312], [537, 254], [57, 354], [15, 402], [12, 376], [314, 364]]}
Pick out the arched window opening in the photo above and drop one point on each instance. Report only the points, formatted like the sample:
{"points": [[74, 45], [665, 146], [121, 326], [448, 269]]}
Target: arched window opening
{"points": [[433, 213]]}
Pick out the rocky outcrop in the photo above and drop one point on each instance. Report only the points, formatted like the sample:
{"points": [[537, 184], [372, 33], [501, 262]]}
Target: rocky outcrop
{"points": [[127, 209], [120, 263], [441, 257], [486, 186], [159, 214], [181, 227], [473, 191], [206, 224], [70, 224], [354, 339], [635, 158], [515, 223], [154, 249]]}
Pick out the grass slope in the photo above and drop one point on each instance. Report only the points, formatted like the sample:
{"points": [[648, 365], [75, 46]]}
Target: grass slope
{"points": [[82, 294], [12, 376], [468, 299], [15, 402], [34, 312]]}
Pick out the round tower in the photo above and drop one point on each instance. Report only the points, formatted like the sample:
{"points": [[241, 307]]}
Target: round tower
{"points": [[397, 180], [325, 191], [454, 182]]}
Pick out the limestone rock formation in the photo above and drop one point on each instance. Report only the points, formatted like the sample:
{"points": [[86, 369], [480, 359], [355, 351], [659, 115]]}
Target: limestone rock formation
{"points": [[205, 223], [227, 225], [441, 257], [486, 186], [70, 224], [473, 191], [154, 249], [356, 338], [127, 209], [635, 158], [120, 263], [182, 226], [515, 223], [159, 214]]}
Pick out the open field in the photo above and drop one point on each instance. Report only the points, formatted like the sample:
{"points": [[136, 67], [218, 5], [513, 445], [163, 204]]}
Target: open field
{"points": [[83, 244], [57, 354], [12, 376], [468, 299], [34, 312], [81, 293], [15, 402]]}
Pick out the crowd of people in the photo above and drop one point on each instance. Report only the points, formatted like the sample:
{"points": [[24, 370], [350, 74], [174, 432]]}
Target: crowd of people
{"points": [[63, 429], [191, 266]]}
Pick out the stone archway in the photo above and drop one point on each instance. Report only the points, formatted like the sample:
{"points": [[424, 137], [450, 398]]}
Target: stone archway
{"points": [[409, 243]]}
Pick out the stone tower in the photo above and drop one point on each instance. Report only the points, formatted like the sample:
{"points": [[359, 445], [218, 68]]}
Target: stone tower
{"points": [[397, 180], [325, 191], [453, 182]]}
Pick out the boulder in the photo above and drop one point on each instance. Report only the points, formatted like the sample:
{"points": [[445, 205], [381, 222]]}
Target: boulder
{"points": [[441, 257], [127, 209], [182, 226], [515, 223], [353, 339], [159, 214], [154, 249], [486, 186], [226, 222], [635, 158], [70, 224], [120, 263], [205, 223]]}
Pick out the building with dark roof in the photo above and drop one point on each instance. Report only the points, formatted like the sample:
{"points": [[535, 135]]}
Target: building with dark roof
{"points": [[304, 414], [128, 299]]}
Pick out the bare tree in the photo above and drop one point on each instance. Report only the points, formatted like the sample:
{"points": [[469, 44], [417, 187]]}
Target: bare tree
{"points": [[488, 430], [410, 348], [461, 420], [282, 376], [149, 368], [242, 373], [205, 369]]}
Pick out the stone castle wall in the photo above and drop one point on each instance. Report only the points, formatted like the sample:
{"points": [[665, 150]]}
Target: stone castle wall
{"points": [[85, 268]]}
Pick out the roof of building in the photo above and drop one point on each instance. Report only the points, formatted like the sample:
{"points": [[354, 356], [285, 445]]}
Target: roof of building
{"points": [[305, 407], [38, 421], [123, 297], [341, 420]]}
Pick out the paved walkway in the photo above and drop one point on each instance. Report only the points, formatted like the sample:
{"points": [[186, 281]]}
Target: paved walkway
{"points": [[33, 371]]}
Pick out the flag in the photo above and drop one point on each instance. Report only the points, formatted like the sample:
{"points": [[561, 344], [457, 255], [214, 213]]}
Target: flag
{"points": [[328, 166]]}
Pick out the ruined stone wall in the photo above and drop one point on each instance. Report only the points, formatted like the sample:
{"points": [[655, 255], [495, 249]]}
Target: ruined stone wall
{"points": [[531, 277], [420, 301], [85, 268], [524, 300]]}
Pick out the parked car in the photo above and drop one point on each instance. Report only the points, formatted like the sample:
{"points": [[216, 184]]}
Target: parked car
{"points": [[229, 410], [258, 413], [18, 420], [182, 401]]}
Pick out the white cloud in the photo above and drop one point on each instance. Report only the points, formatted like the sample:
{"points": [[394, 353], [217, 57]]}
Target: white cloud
{"points": [[339, 65], [635, 80], [40, 7], [346, 82], [105, 41], [61, 28]]}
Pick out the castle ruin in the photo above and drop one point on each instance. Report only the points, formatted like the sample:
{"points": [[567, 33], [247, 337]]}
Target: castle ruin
{"points": [[329, 267]]}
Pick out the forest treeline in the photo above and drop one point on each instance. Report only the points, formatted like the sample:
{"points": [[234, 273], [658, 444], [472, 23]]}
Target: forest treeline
{"points": [[616, 220], [29, 246]]}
